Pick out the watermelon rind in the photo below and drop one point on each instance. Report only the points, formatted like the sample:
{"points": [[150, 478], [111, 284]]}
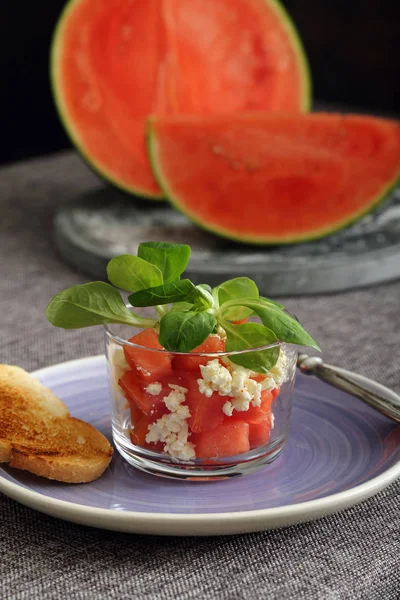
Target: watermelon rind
{"points": [[288, 24], [73, 133]]}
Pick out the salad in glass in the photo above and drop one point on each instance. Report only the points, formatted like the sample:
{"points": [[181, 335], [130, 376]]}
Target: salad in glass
{"points": [[201, 378]]}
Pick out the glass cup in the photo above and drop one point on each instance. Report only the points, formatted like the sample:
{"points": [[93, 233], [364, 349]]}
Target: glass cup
{"points": [[196, 416]]}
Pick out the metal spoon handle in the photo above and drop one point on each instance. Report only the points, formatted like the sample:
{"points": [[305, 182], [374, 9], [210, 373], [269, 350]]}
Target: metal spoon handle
{"points": [[386, 401]]}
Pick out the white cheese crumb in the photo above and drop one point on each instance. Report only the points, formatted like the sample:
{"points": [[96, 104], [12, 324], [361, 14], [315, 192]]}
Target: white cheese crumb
{"points": [[228, 408], [254, 389], [277, 375], [154, 389], [118, 368], [118, 361], [236, 381], [175, 398], [118, 357], [216, 378], [172, 429], [279, 371]]}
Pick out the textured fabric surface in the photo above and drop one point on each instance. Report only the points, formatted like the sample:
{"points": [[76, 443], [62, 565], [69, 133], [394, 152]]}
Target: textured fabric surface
{"points": [[351, 555]]}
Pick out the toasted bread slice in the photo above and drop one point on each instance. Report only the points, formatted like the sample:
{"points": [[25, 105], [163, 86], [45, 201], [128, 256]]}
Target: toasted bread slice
{"points": [[37, 433]]}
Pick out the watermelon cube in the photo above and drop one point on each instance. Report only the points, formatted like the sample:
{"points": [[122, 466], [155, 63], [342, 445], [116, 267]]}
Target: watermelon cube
{"points": [[259, 433], [185, 363], [149, 366], [255, 414], [135, 392], [206, 413], [229, 439], [139, 432]]}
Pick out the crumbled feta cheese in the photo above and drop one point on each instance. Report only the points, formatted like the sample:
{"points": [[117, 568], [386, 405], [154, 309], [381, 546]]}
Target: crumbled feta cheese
{"points": [[277, 375], [216, 378], [279, 371], [154, 389], [254, 389], [268, 383], [172, 429], [118, 368], [228, 408], [239, 377], [175, 397], [118, 362], [173, 432], [183, 412], [236, 381]]}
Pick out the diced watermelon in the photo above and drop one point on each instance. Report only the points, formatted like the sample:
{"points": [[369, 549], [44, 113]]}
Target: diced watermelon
{"points": [[192, 363], [259, 433], [241, 321], [229, 439], [259, 378], [206, 413], [135, 393], [255, 414], [139, 432], [150, 366], [136, 413], [275, 392]]}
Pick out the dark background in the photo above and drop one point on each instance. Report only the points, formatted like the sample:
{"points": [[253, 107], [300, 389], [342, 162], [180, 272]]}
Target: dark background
{"points": [[353, 48]]}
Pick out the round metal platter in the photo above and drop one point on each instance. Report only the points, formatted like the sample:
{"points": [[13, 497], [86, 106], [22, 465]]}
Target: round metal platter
{"points": [[99, 225]]}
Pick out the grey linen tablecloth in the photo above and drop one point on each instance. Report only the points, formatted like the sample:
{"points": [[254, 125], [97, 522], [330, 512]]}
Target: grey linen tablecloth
{"points": [[351, 555]]}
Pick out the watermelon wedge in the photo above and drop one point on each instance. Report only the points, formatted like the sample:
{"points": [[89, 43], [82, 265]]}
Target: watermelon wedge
{"points": [[114, 62], [275, 178]]}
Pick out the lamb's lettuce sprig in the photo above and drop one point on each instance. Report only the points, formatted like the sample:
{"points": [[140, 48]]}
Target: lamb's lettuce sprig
{"points": [[186, 314]]}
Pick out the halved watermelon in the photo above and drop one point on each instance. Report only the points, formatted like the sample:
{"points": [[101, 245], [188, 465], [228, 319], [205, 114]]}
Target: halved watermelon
{"points": [[116, 61], [275, 177]]}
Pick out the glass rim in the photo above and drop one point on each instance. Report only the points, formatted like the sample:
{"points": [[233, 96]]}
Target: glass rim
{"points": [[123, 342]]}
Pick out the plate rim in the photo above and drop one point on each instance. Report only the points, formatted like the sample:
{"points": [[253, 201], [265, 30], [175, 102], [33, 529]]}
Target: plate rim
{"points": [[191, 524]]}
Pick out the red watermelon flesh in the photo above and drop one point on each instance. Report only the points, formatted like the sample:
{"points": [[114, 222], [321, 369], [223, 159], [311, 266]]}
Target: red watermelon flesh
{"points": [[149, 366], [139, 432], [275, 178], [205, 413], [230, 438], [135, 391], [259, 433], [184, 363], [114, 62], [255, 414]]}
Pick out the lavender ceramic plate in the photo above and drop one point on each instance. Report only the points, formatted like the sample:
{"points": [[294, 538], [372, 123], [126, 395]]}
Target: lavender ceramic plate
{"points": [[340, 452]]}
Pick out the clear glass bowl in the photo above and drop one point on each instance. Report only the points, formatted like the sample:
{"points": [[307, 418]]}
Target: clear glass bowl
{"points": [[173, 418]]}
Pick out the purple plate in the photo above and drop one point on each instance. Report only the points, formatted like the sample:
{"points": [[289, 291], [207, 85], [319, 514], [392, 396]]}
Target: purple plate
{"points": [[339, 452]]}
